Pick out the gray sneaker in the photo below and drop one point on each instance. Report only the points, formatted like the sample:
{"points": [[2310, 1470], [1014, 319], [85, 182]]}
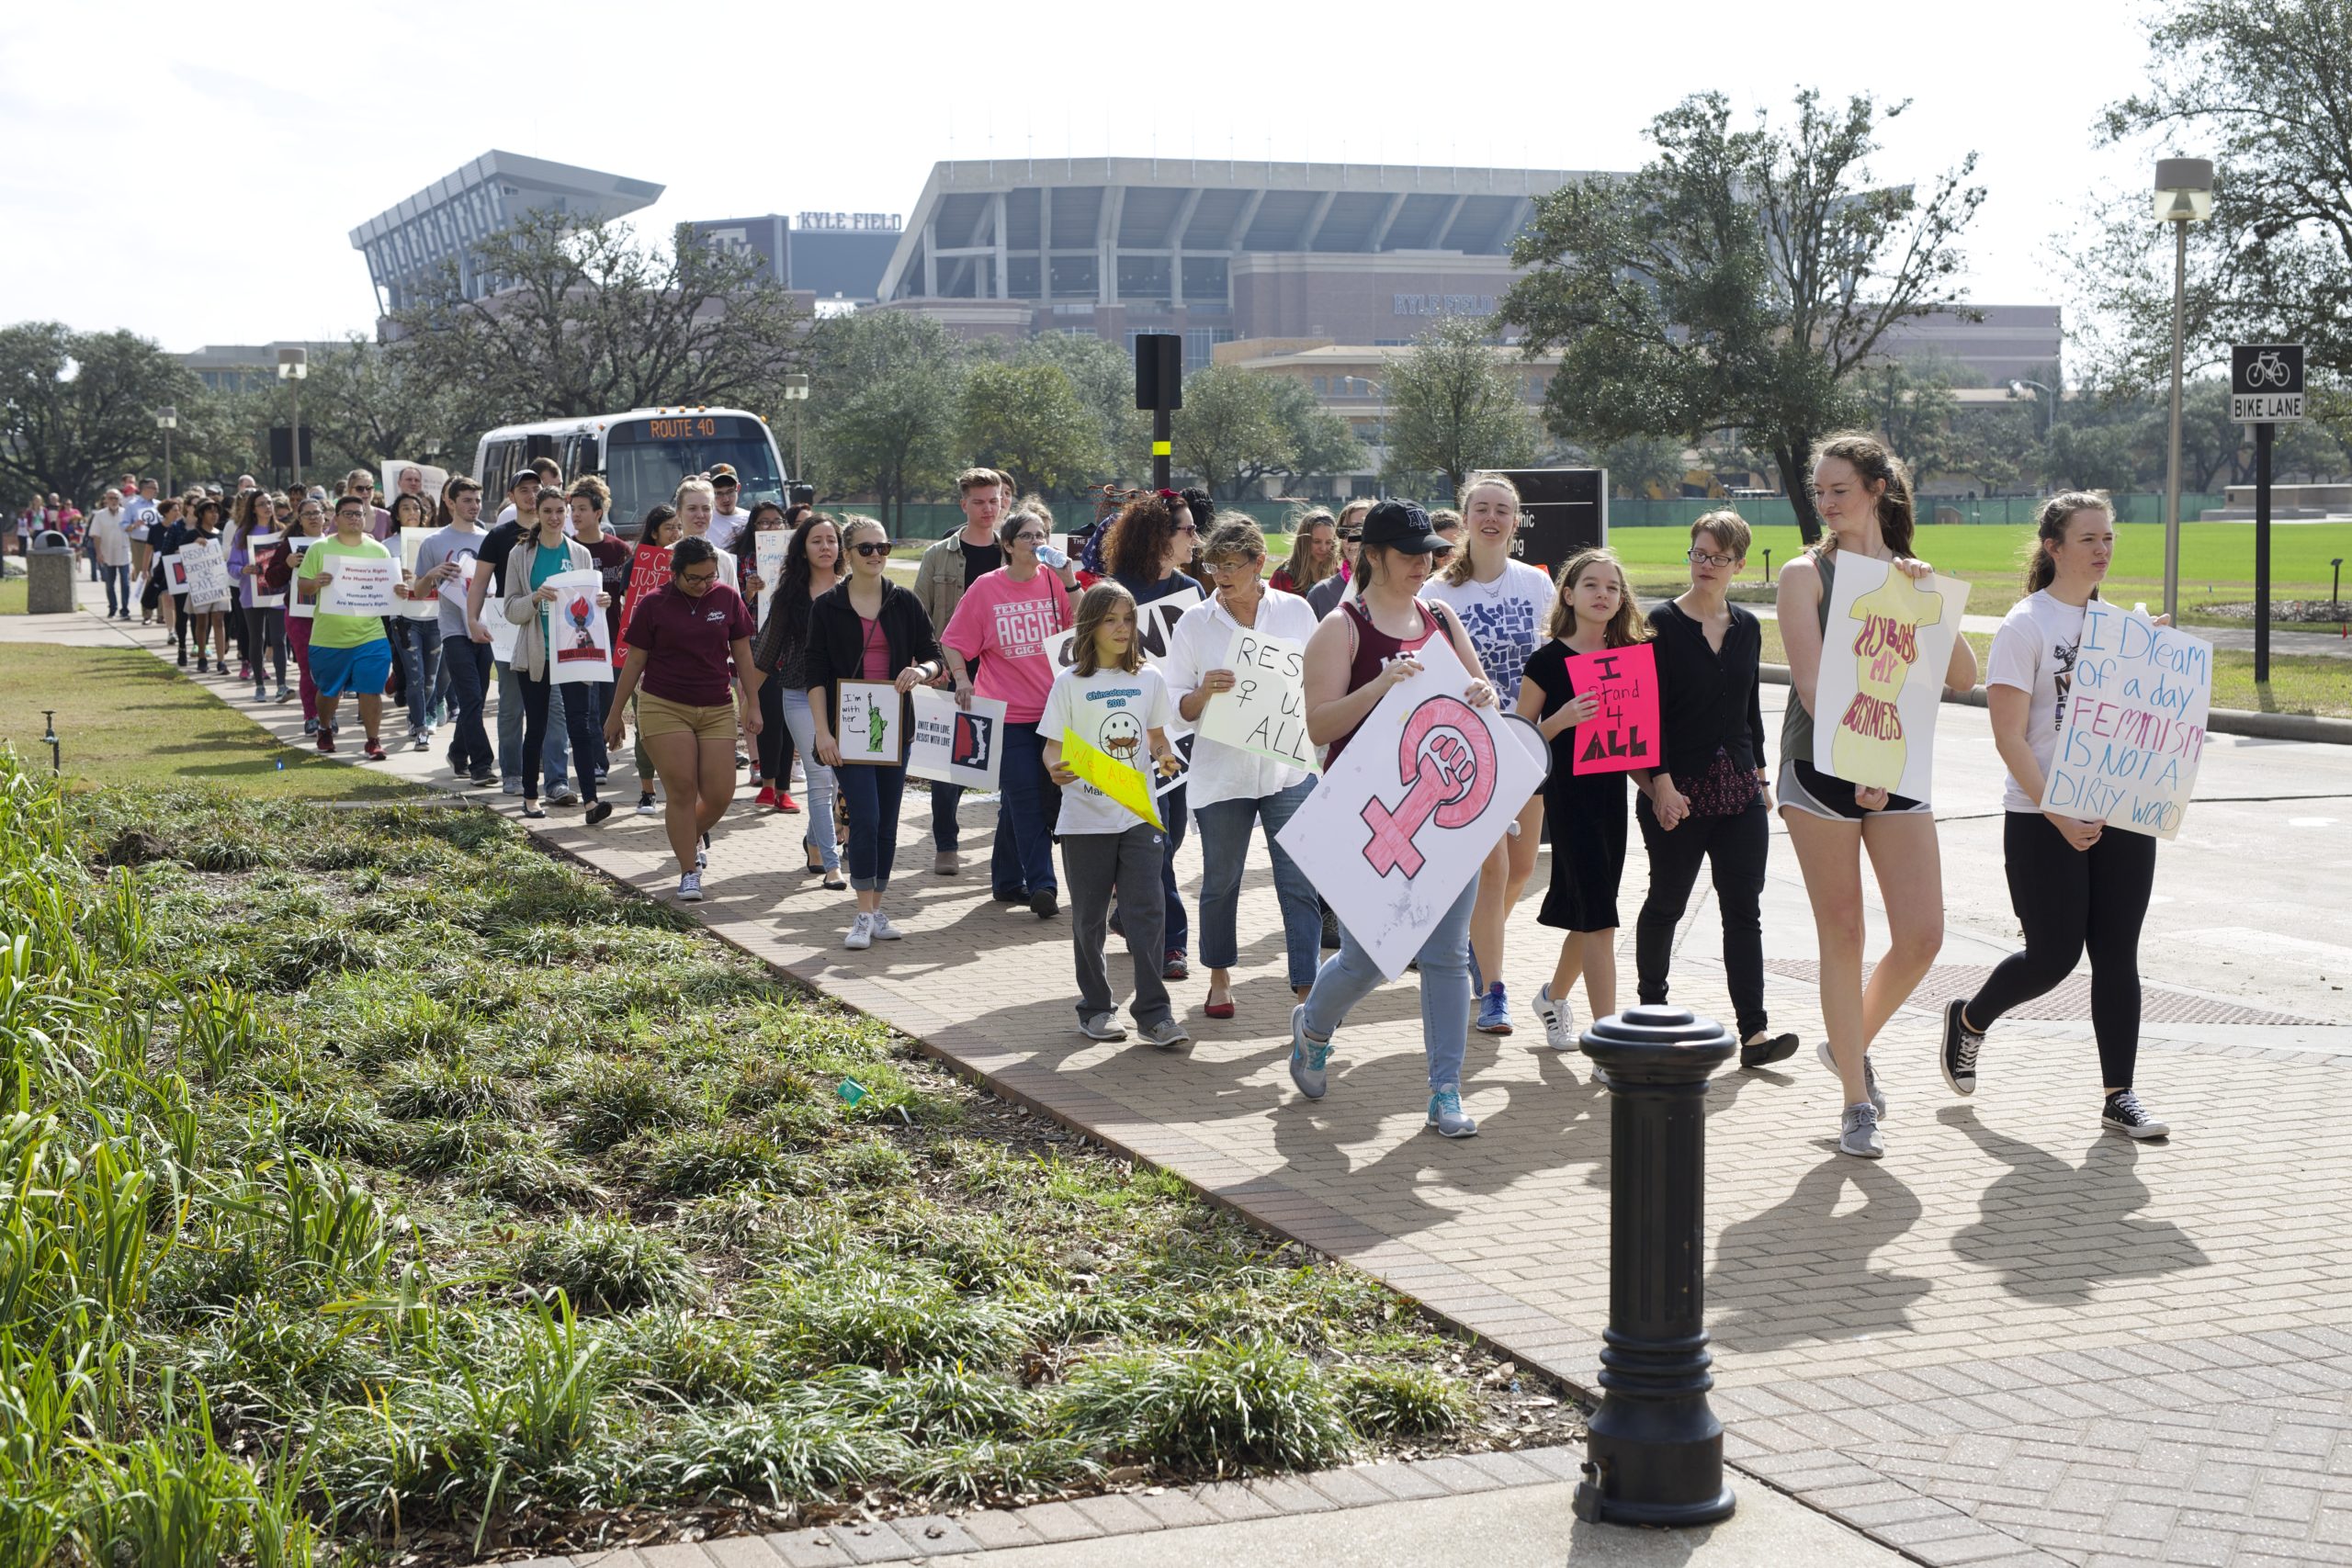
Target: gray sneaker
{"points": [[1858, 1131], [562, 794], [1100, 1026], [1447, 1116], [1307, 1057], [1166, 1036], [1870, 1079]]}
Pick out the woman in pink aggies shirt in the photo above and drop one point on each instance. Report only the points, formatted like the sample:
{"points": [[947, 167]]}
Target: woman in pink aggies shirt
{"points": [[1007, 615]]}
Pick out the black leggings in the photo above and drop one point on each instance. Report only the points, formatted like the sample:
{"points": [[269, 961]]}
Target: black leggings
{"points": [[265, 637], [2070, 900], [776, 740], [584, 722], [1734, 849]]}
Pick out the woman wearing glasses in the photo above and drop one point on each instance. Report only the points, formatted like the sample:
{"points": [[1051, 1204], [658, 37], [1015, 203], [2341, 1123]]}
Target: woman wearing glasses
{"points": [[1711, 798], [868, 629], [682, 642], [1231, 789], [1153, 541], [1003, 620]]}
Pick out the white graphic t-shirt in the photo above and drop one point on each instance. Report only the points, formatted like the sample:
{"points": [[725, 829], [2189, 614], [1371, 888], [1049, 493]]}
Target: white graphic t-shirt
{"points": [[2034, 651], [1115, 712], [1504, 618]]}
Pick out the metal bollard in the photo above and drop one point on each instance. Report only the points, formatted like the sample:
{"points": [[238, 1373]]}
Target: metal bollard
{"points": [[1655, 1453]]}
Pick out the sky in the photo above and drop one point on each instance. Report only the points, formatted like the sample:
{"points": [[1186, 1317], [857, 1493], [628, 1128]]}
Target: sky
{"points": [[192, 172]]}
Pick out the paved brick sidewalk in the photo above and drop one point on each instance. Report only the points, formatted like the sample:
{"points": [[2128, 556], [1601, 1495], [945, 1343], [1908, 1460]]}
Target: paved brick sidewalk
{"points": [[2016, 1339]]}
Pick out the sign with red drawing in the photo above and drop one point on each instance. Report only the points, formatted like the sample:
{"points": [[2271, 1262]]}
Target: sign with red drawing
{"points": [[1883, 654]]}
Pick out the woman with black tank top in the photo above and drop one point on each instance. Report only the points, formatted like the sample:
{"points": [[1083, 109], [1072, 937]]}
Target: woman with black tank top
{"points": [[1362, 650], [1864, 498]]}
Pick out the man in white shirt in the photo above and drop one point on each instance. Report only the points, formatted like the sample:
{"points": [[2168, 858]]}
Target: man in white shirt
{"points": [[110, 551], [726, 522]]}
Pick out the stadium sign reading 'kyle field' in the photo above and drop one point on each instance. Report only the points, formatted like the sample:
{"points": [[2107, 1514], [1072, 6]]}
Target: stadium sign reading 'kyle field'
{"points": [[2265, 382]]}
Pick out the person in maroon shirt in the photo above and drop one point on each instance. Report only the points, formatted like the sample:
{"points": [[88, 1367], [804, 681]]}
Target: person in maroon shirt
{"points": [[681, 642]]}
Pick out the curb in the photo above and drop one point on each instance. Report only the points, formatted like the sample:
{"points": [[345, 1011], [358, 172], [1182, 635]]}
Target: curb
{"points": [[2222, 721]]}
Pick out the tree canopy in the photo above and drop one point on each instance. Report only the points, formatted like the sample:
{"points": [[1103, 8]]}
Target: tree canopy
{"points": [[77, 409], [1454, 406]]}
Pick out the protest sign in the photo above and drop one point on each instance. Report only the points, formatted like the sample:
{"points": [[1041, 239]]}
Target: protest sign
{"points": [[1266, 711], [454, 589], [868, 722], [302, 598], [1117, 777], [1883, 654], [579, 642], [1624, 735], [767, 565], [1155, 624], [420, 608], [2136, 709], [1404, 819], [362, 585], [206, 566], [258, 547], [955, 745], [435, 477], [175, 574], [649, 572]]}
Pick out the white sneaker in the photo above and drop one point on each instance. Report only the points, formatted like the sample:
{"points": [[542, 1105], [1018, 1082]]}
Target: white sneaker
{"points": [[861, 934], [1559, 1019], [648, 808], [690, 888], [883, 929]]}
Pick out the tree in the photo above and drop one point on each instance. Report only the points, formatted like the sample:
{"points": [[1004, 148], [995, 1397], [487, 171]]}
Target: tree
{"points": [[883, 404], [1104, 381], [77, 409], [1028, 420], [1911, 406], [1228, 434], [1454, 407], [1640, 462], [1741, 278], [2265, 87], [587, 320], [1319, 441]]}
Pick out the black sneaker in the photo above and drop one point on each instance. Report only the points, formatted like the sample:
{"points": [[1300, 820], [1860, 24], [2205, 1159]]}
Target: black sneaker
{"points": [[2127, 1116], [1767, 1049], [1960, 1045], [1042, 904]]}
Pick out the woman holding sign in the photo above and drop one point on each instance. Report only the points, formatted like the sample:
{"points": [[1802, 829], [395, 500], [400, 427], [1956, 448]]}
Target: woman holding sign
{"points": [[348, 650], [868, 629], [812, 565], [2075, 885], [1356, 654], [1153, 540], [265, 611], [1593, 613], [682, 643], [1237, 786], [538, 602], [1864, 496]]}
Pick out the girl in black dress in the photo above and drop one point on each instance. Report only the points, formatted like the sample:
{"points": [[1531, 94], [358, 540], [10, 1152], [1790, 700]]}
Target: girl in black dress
{"points": [[1586, 816]]}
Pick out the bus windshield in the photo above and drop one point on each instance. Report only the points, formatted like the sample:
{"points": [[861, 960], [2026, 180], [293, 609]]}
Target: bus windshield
{"points": [[645, 459]]}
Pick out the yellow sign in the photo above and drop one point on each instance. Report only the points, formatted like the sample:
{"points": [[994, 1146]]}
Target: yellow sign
{"points": [[1118, 779]]}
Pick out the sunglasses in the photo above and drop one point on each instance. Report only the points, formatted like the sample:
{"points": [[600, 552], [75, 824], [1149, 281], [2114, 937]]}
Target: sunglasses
{"points": [[870, 547]]}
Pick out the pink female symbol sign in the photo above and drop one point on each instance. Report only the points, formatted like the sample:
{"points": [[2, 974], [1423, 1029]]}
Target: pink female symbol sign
{"points": [[1446, 760]]}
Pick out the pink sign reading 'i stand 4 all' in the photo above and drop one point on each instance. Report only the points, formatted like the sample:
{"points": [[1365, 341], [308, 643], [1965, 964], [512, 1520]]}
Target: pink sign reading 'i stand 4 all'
{"points": [[1622, 736]]}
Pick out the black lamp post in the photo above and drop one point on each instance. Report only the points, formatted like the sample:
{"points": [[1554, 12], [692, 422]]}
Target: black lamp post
{"points": [[1655, 1453], [2336, 582]]}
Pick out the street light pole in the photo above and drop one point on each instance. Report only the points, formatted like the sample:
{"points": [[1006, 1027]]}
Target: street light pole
{"points": [[293, 366], [2049, 407], [2184, 196], [796, 392], [167, 419]]}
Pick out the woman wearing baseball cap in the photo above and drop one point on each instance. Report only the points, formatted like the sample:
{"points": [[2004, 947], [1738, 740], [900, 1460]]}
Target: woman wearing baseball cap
{"points": [[1354, 658]]}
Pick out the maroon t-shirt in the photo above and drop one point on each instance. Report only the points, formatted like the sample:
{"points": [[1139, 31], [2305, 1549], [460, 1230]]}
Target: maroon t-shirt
{"points": [[686, 642]]}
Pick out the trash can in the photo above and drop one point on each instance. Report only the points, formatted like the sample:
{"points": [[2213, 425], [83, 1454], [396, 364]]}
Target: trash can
{"points": [[48, 576]]}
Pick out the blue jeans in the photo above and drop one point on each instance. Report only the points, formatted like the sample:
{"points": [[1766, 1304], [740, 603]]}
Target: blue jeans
{"points": [[467, 664], [945, 798], [1180, 929], [873, 793], [421, 669], [818, 793], [1348, 976], [1225, 850], [1024, 856], [546, 705], [554, 756], [117, 581]]}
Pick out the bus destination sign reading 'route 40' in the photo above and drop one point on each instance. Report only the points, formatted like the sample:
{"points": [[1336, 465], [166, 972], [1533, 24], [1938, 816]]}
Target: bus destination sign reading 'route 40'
{"points": [[2265, 382]]}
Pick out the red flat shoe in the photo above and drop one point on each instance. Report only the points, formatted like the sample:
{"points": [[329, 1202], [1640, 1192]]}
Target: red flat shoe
{"points": [[766, 795], [784, 802], [1218, 1009]]}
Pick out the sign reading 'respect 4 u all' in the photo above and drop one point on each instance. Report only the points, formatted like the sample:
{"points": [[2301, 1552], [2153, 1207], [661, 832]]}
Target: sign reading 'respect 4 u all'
{"points": [[2136, 710]]}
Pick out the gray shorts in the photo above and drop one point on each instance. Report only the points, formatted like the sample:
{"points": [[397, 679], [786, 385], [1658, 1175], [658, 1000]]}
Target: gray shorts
{"points": [[1816, 794]]}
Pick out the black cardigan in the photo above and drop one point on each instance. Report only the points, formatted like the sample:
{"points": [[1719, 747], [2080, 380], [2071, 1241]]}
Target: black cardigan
{"points": [[1707, 702], [837, 638]]}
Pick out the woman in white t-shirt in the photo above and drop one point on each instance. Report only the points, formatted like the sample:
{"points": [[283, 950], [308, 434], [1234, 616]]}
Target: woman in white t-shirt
{"points": [[1502, 604], [2075, 885]]}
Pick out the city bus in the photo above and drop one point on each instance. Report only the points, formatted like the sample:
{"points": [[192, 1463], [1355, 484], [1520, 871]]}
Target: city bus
{"points": [[641, 453]]}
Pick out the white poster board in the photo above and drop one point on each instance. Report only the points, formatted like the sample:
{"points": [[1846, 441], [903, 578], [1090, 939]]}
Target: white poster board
{"points": [[580, 641], [867, 722], [388, 483], [206, 567], [2136, 711], [1404, 819], [767, 565], [455, 589], [411, 541], [259, 548], [362, 585], [300, 604], [954, 746], [175, 574], [1155, 624], [1266, 711], [1883, 659]]}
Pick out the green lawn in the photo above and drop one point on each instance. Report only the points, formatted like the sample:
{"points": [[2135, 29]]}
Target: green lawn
{"points": [[126, 717], [12, 595], [385, 1179]]}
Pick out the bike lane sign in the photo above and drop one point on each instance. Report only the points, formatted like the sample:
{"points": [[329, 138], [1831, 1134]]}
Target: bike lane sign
{"points": [[2265, 382]]}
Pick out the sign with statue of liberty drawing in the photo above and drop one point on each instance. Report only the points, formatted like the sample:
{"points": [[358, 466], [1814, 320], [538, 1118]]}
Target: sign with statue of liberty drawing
{"points": [[869, 722], [1883, 653]]}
